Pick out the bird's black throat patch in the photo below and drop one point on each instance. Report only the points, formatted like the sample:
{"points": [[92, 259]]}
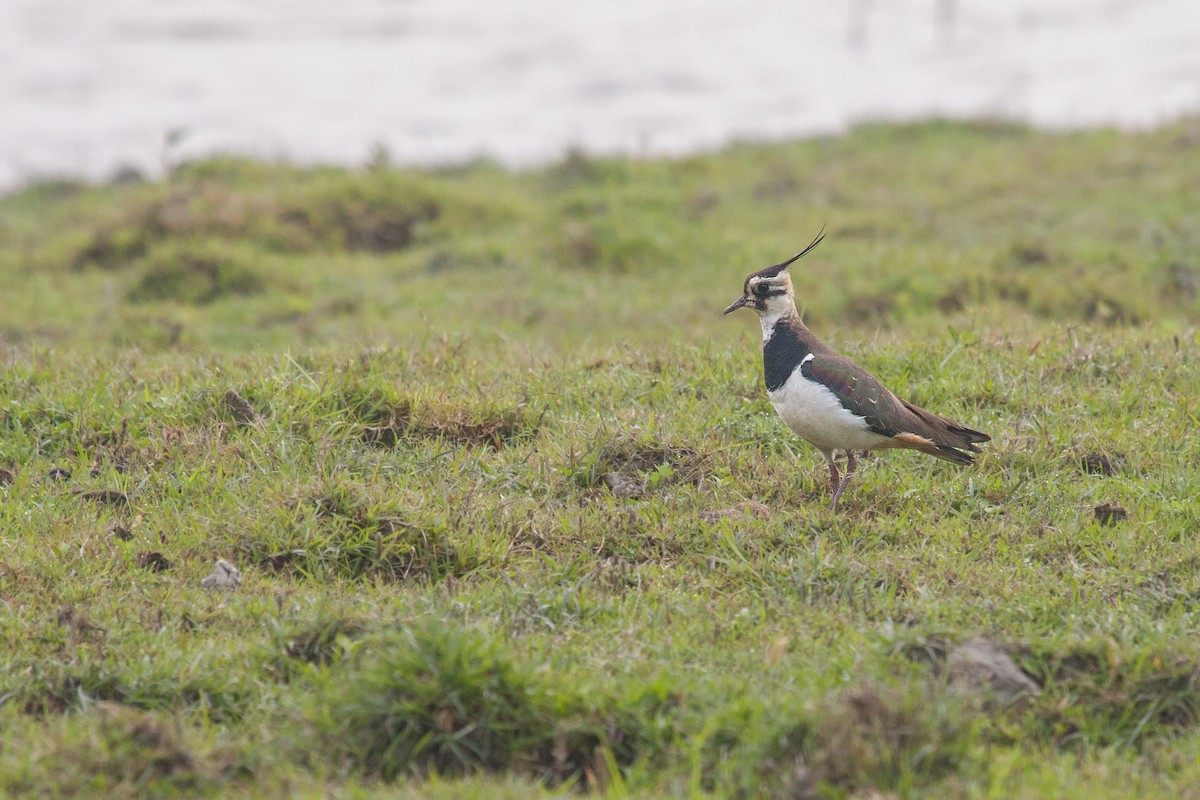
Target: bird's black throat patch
{"points": [[782, 353]]}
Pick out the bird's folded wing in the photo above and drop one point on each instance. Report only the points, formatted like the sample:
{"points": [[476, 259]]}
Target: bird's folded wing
{"points": [[857, 390], [910, 426]]}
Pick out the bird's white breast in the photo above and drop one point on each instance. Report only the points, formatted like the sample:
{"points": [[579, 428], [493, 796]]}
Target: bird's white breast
{"points": [[815, 414]]}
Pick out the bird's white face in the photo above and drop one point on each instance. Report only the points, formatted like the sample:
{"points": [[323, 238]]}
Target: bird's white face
{"points": [[770, 295]]}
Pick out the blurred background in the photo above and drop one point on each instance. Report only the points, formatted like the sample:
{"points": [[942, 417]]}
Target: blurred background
{"points": [[88, 88], [273, 174]]}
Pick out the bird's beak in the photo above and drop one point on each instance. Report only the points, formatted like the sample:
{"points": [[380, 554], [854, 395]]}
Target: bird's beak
{"points": [[736, 304]]}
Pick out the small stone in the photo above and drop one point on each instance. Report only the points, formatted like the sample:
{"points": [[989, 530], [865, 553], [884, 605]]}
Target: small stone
{"points": [[624, 487], [224, 576], [981, 664], [1110, 514], [60, 474]]}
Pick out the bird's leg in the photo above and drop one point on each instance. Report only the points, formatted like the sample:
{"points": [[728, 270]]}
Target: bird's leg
{"points": [[851, 465], [835, 479]]}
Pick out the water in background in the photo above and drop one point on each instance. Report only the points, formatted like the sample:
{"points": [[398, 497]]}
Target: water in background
{"points": [[88, 86]]}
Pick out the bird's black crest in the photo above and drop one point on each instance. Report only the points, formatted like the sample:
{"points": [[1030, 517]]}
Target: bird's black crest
{"points": [[772, 272]]}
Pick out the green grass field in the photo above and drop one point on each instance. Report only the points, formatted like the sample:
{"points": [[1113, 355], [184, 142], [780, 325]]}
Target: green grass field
{"points": [[514, 515]]}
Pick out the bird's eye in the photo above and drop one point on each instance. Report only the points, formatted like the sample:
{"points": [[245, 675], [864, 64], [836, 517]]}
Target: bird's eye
{"points": [[762, 289]]}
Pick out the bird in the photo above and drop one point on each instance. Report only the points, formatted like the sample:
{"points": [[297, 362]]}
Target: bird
{"points": [[827, 399]]}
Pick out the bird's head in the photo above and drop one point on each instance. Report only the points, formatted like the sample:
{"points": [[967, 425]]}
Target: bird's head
{"points": [[769, 291]]}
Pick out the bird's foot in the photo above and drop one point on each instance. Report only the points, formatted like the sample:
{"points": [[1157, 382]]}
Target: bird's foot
{"points": [[837, 493], [839, 486]]}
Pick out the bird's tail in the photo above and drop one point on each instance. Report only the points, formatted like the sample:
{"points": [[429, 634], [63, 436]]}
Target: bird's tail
{"points": [[942, 437]]}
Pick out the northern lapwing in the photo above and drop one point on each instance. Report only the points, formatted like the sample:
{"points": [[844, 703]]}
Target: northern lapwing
{"points": [[829, 400]]}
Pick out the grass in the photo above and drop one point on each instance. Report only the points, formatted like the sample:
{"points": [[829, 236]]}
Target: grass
{"points": [[513, 513]]}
